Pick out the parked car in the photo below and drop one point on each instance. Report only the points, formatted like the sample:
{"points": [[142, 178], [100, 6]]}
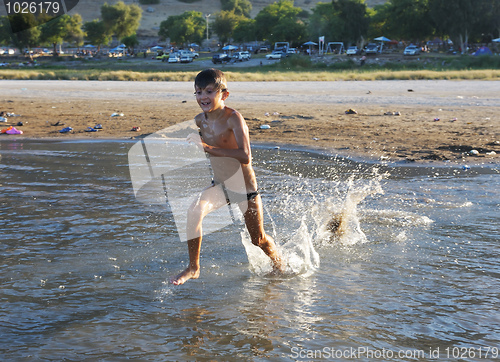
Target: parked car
{"points": [[291, 51], [174, 58], [190, 54], [162, 56], [275, 55], [352, 50], [7, 51], [185, 58], [241, 56], [371, 49], [411, 50], [220, 58]]}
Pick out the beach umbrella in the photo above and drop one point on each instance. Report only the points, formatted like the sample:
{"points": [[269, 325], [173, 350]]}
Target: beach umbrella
{"points": [[90, 46], [156, 47], [116, 50], [497, 40], [310, 44], [230, 47], [382, 39]]}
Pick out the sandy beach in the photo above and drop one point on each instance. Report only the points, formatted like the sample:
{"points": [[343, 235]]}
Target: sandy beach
{"points": [[412, 121]]}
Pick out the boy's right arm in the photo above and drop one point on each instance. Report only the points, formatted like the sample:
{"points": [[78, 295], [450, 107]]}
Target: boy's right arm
{"points": [[195, 138], [197, 119]]}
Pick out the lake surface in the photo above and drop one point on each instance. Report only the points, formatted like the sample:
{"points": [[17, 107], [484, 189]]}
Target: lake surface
{"points": [[84, 264]]}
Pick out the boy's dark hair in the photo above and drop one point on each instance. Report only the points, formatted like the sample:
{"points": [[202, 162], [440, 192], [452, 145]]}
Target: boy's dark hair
{"points": [[211, 76]]}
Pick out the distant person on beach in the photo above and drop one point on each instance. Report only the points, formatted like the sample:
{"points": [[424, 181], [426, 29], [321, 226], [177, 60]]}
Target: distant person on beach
{"points": [[224, 136]]}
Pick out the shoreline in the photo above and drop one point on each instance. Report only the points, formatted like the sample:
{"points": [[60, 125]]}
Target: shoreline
{"points": [[438, 121], [290, 147]]}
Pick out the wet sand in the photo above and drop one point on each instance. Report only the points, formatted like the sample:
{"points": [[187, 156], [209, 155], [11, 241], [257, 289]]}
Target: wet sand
{"points": [[438, 120]]}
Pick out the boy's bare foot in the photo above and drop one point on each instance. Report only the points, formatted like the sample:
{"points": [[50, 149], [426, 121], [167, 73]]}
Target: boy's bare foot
{"points": [[185, 276], [279, 269], [279, 265]]}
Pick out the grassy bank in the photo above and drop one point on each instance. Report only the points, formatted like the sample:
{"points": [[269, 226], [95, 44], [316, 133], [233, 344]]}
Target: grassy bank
{"points": [[245, 76], [291, 69]]}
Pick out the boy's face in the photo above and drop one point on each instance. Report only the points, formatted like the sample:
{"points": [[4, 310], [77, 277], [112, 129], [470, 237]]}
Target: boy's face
{"points": [[210, 98]]}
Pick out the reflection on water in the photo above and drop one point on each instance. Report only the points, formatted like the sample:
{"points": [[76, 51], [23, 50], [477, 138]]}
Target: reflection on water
{"points": [[84, 264]]}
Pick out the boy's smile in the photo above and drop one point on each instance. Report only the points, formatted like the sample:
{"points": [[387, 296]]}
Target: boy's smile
{"points": [[210, 98]]}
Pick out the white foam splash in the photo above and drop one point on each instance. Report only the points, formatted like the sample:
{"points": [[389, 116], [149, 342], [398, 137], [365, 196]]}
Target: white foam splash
{"points": [[310, 217], [298, 252]]}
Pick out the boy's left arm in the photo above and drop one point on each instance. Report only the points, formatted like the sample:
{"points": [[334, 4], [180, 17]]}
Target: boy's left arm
{"points": [[242, 137]]}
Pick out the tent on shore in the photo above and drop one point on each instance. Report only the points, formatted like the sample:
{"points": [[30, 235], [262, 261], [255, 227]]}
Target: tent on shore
{"points": [[483, 51]]}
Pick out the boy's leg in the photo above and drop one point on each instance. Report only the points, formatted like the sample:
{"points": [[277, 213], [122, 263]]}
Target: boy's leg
{"points": [[210, 200], [254, 221], [193, 270]]}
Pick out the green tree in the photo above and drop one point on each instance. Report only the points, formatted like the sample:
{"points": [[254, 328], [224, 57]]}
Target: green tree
{"points": [[245, 31], [188, 27], [5, 32], [378, 21], [458, 19], [96, 33], [494, 15], [53, 31], [225, 23], [353, 17], [408, 19], [340, 20], [120, 19], [240, 7], [74, 31], [130, 42], [289, 30], [271, 16], [489, 28], [26, 38], [60, 29], [325, 22]]}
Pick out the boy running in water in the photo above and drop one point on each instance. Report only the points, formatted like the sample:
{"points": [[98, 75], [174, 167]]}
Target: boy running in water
{"points": [[224, 136]]}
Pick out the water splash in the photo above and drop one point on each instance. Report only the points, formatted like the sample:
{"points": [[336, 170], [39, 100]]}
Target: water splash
{"points": [[343, 225], [298, 252], [312, 214]]}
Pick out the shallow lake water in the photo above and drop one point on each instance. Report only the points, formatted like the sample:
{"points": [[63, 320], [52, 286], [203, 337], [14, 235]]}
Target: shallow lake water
{"points": [[85, 266]]}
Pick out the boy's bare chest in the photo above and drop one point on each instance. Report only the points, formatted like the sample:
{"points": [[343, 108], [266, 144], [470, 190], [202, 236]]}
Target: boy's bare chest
{"points": [[217, 134]]}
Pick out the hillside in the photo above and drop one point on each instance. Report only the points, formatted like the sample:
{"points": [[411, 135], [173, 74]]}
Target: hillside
{"points": [[153, 15]]}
